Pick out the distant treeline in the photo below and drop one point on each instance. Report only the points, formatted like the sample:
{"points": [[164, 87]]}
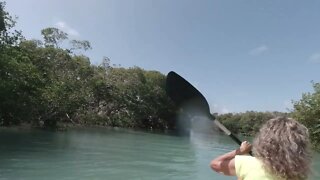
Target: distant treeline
{"points": [[49, 81], [247, 123], [306, 111]]}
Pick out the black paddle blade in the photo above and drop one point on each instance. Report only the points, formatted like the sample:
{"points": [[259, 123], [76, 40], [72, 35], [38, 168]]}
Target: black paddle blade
{"points": [[191, 100], [184, 95]]}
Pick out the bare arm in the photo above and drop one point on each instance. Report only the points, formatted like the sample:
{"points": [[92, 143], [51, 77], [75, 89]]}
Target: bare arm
{"points": [[225, 163]]}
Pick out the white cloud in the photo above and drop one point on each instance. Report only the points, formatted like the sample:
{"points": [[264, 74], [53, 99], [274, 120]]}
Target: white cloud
{"points": [[315, 57], [258, 50], [224, 110], [66, 28], [215, 108]]}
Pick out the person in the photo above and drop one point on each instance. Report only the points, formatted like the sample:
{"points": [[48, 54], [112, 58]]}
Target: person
{"points": [[281, 151]]}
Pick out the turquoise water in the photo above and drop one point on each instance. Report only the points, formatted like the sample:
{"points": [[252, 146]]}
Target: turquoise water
{"points": [[110, 154]]}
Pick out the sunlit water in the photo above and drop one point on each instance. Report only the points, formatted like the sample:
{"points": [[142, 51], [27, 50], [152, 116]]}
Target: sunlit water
{"points": [[110, 154]]}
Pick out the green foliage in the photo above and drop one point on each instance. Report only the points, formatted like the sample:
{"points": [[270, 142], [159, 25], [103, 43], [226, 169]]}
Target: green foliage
{"points": [[131, 98], [19, 86], [2, 24], [307, 111], [45, 84], [8, 36], [53, 36], [77, 45]]}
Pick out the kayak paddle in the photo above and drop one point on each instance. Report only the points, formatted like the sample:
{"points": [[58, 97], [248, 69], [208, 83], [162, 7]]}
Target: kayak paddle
{"points": [[184, 95]]}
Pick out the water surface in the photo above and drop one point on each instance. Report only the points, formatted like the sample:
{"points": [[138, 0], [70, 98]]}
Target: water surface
{"points": [[95, 153]]}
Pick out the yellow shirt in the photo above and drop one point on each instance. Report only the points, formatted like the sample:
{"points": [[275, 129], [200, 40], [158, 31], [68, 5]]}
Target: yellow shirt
{"points": [[250, 168]]}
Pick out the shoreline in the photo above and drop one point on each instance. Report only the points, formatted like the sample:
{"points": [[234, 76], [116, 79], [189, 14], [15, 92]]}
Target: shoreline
{"points": [[70, 126]]}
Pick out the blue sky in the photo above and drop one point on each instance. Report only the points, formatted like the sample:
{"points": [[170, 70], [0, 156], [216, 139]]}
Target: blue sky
{"points": [[241, 54]]}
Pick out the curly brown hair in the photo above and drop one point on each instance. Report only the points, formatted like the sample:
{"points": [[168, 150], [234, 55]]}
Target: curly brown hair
{"points": [[283, 147]]}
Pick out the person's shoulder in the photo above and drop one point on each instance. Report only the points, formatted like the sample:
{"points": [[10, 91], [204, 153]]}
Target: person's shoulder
{"points": [[245, 158], [246, 164]]}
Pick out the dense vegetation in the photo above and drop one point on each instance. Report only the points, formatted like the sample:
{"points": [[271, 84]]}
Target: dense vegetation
{"points": [[46, 82], [43, 84], [307, 111], [247, 123]]}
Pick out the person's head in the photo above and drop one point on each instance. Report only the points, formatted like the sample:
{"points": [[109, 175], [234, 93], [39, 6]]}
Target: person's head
{"points": [[282, 145]]}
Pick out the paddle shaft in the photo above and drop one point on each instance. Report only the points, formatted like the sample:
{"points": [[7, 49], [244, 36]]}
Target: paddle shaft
{"points": [[225, 130]]}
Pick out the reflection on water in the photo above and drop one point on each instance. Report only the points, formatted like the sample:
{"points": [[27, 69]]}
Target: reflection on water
{"points": [[109, 154]]}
